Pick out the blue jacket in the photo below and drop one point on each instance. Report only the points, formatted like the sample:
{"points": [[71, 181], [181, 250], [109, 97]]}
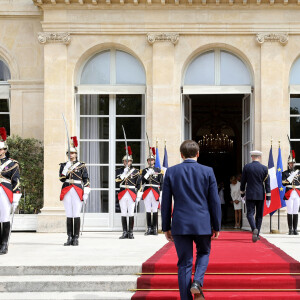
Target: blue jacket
{"points": [[197, 206], [255, 175]]}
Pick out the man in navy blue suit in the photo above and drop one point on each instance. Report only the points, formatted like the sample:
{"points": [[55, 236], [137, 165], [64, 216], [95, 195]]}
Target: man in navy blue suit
{"points": [[256, 176], [196, 216]]}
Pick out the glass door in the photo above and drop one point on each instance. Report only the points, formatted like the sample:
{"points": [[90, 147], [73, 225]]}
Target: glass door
{"points": [[187, 117]]}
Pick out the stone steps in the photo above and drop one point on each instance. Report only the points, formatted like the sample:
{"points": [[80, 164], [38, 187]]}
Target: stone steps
{"points": [[67, 296], [63, 283]]}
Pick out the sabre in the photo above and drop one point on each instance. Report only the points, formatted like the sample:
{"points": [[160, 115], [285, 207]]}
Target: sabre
{"points": [[83, 211], [11, 225], [67, 136], [125, 145], [149, 148]]}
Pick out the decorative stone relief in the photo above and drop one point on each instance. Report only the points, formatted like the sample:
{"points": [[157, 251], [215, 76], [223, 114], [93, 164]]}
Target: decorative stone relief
{"points": [[282, 38], [163, 37], [54, 37]]}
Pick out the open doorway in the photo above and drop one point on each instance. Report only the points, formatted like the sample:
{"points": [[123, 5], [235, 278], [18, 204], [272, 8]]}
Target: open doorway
{"points": [[222, 117]]}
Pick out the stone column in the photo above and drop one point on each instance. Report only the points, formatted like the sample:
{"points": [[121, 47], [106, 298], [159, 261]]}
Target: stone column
{"points": [[52, 218], [166, 104]]}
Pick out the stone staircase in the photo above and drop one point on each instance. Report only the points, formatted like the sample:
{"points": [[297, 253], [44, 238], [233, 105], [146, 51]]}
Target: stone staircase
{"points": [[67, 282]]}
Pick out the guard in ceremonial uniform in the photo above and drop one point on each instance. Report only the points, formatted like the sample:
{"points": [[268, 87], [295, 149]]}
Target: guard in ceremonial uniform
{"points": [[9, 191], [75, 190], [291, 181], [152, 182], [128, 181], [256, 176]]}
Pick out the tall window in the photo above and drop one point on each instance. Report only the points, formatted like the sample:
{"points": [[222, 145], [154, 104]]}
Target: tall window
{"points": [[4, 96], [295, 124], [106, 101]]}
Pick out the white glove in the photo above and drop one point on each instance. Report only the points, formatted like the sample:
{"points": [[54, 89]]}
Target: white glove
{"points": [[85, 197], [86, 190], [292, 176], [268, 202], [243, 199], [139, 197], [126, 170], [149, 172], [160, 197], [66, 168], [16, 199]]}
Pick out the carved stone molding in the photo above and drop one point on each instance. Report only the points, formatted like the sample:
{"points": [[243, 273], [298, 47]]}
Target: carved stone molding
{"points": [[163, 37], [282, 38], [54, 37]]}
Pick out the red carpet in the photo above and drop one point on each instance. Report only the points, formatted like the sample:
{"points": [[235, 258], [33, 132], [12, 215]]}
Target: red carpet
{"points": [[233, 252]]}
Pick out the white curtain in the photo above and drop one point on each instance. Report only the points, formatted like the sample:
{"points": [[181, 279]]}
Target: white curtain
{"points": [[90, 151]]}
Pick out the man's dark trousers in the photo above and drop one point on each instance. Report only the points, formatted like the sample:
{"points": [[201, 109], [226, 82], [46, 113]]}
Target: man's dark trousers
{"points": [[251, 205], [184, 248]]}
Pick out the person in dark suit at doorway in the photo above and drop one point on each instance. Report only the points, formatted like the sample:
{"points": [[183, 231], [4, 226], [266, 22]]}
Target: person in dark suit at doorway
{"points": [[256, 176], [196, 216]]}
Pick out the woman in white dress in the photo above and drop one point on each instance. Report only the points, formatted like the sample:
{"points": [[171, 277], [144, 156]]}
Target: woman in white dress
{"points": [[237, 201]]}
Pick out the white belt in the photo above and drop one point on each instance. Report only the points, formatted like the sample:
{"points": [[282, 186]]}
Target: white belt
{"points": [[72, 181], [127, 186], [4, 180], [153, 185], [293, 186]]}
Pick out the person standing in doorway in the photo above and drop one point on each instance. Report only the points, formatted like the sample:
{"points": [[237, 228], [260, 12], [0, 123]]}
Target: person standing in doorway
{"points": [[75, 190], [256, 177], [196, 216], [237, 201], [291, 181], [152, 179], [128, 181], [10, 193]]}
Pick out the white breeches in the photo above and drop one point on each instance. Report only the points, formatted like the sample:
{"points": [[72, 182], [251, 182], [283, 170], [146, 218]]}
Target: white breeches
{"points": [[127, 204], [5, 207], [293, 203], [72, 204], [151, 203]]}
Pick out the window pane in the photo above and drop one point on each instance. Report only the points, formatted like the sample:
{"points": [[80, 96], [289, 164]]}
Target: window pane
{"points": [[94, 152], [94, 128], [132, 128], [4, 122], [97, 202], [295, 73], [296, 148], [129, 69], [295, 127], [97, 69], [98, 176], [295, 105], [233, 70], [246, 131], [247, 108], [4, 107], [4, 71], [129, 105], [94, 104], [136, 151]]}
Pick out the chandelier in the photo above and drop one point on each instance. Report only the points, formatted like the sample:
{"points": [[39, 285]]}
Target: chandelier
{"points": [[215, 143]]}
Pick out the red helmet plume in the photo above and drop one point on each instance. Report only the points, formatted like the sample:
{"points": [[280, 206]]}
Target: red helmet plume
{"points": [[153, 150], [129, 150], [3, 134], [293, 153], [75, 142]]}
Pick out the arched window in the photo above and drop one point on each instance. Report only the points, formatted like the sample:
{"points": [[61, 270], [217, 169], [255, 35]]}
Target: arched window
{"points": [[217, 67], [4, 96], [110, 93]]}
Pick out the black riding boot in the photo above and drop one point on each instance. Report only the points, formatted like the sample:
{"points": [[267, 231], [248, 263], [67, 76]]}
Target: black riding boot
{"points": [[295, 224], [155, 219], [76, 231], [290, 223], [69, 232], [124, 226], [148, 232], [0, 233], [5, 236], [130, 232]]}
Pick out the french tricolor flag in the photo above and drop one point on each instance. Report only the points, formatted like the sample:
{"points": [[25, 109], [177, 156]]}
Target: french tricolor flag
{"points": [[275, 195]]}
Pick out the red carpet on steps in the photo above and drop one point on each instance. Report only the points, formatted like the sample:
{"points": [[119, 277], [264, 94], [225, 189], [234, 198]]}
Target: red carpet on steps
{"points": [[233, 252]]}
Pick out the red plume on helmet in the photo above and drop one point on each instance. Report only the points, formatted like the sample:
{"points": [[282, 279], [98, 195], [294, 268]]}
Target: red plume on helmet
{"points": [[293, 153], [129, 150], [75, 142], [3, 134], [153, 150]]}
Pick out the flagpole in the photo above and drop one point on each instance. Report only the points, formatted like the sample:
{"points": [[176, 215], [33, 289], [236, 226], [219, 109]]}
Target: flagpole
{"points": [[270, 214], [280, 200]]}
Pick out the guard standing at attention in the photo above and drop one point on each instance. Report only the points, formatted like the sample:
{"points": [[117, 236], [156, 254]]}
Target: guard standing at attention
{"points": [[291, 181], [256, 176], [128, 182], [152, 182], [10, 193], [75, 190]]}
